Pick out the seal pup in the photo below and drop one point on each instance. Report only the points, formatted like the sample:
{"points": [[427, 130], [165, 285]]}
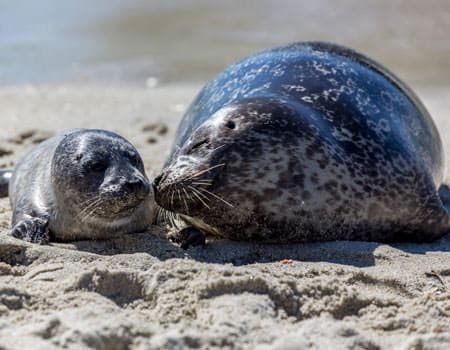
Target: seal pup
{"points": [[307, 142], [81, 184]]}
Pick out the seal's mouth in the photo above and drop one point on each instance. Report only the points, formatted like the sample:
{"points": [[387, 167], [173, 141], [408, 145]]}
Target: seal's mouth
{"points": [[106, 211], [124, 199], [125, 210], [110, 207]]}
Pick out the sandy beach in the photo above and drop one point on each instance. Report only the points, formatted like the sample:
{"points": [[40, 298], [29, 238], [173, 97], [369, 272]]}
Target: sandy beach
{"points": [[143, 292]]}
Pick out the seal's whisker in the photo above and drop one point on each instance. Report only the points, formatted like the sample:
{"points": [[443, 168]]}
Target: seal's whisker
{"points": [[205, 197], [93, 203], [216, 196], [186, 193], [171, 198], [189, 197], [219, 147], [194, 190], [204, 180], [184, 200], [162, 216], [88, 201], [180, 198], [92, 211], [209, 181], [178, 193], [167, 217], [158, 215], [201, 183], [86, 204], [172, 218], [203, 171]]}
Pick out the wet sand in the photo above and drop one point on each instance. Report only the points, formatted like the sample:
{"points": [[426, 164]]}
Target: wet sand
{"points": [[142, 292]]}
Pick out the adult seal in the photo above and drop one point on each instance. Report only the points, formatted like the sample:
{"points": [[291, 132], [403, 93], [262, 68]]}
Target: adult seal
{"points": [[81, 184], [307, 142]]}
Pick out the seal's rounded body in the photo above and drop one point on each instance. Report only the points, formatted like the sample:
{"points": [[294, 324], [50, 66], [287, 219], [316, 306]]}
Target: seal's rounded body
{"points": [[307, 142], [81, 184]]}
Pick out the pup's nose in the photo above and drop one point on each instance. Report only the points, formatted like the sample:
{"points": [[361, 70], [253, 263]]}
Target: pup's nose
{"points": [[138, 186]]}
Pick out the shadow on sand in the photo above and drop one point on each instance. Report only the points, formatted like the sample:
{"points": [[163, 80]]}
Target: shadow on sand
{"points": [[353, 253], [350, 253]]}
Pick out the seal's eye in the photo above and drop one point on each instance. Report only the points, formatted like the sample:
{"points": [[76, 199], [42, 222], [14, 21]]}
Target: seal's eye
{"points": [[98, 166], [230, 124], [197, 145]]}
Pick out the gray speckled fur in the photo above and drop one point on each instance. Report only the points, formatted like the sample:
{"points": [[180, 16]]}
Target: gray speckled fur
{"points": [[55, 181], [312, 141]]}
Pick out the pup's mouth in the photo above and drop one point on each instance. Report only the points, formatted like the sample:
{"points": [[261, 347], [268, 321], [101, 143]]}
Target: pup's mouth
{"points": [[117, 207]]}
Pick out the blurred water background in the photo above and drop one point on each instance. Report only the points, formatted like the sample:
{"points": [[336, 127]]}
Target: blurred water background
{"points": [[159, 42]]}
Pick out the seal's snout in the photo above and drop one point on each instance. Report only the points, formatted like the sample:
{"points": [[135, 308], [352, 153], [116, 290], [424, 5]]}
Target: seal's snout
{"points": [[139, 187], [132, 188], [157, 181], [159, 187], [156, 186]]}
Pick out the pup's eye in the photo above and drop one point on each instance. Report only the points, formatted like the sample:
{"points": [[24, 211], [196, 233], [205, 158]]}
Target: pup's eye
{"points": [[98, 166]]}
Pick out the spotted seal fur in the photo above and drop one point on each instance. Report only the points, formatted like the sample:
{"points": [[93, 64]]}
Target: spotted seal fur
{"points": [[307, 142], [81, 184]]}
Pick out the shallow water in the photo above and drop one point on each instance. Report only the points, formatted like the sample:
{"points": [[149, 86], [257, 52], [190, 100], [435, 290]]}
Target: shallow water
{"points": [[158, 42]]}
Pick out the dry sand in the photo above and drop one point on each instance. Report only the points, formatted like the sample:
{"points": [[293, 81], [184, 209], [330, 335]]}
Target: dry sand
{"points": [[143, 292]]}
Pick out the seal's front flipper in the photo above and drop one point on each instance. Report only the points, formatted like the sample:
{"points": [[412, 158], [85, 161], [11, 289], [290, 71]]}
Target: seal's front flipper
{"points": [[188, 237], [5, 176], [32, 229]]}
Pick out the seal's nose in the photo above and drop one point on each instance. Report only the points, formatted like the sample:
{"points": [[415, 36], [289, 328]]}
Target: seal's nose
{"points": [[160, 180], [140, 187], [157, 180]]}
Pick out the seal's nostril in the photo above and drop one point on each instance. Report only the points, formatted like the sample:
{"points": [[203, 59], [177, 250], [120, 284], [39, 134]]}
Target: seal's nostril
{"points": [[142, 189], [134, 188], [157, 180], [131, 185]]}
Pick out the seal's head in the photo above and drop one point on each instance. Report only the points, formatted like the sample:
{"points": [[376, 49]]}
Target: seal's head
{"points": [[235, 170], [98, 176]]}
